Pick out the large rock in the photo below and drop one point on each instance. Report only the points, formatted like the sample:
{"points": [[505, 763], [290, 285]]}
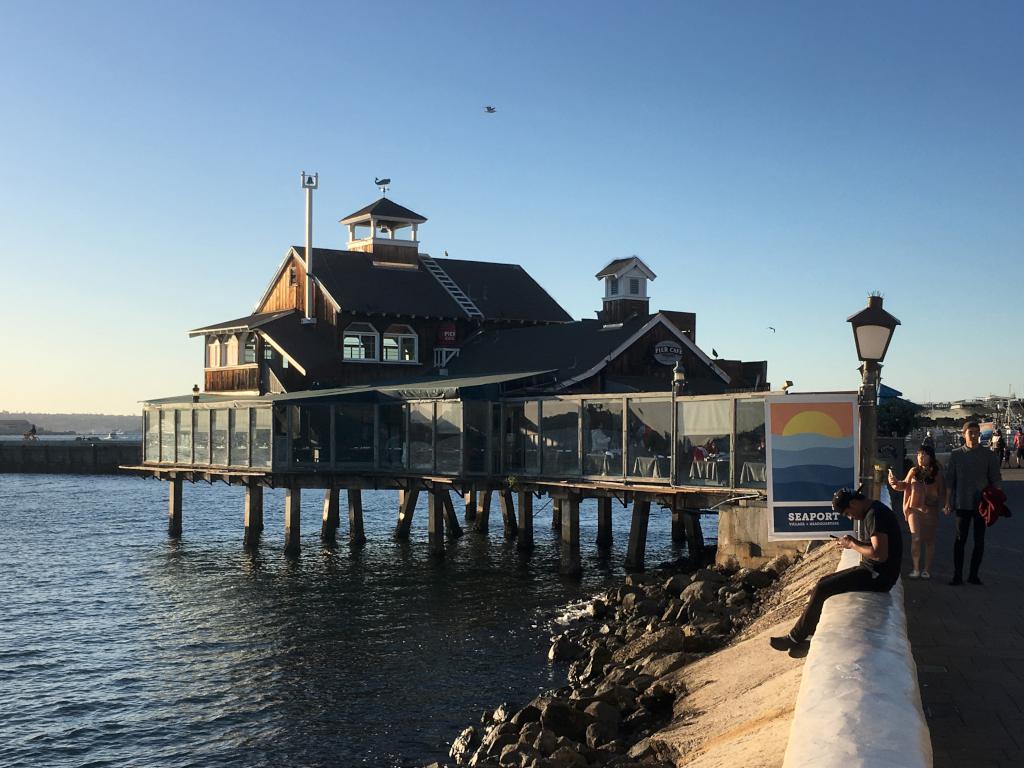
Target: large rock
{"points": [[706, 574], [598, 609], [546, 741], [528, 714], [564, 719], [621, 696], [605, 713], [700, 592], [738, 598], [777, 565], [677, 584], [464, 745], [667, 640], [754, 580], [564, 648], [567, 757], [657, 698], [660, 666]]}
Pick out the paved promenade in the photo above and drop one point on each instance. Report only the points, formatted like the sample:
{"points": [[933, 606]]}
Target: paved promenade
{"points": [[968, 642]]}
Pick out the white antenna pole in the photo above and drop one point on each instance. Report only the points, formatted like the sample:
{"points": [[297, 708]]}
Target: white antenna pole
{"points": [[309, 183]]}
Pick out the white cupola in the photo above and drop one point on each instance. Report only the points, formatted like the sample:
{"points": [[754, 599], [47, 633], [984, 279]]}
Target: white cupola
{"points": [[625, 289]]}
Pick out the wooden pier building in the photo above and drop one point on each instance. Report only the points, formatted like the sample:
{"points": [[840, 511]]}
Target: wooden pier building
{"points": [[434, 376]]}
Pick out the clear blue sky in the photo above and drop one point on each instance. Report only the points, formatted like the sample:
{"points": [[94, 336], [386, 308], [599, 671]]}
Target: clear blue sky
{"points": [[772, 162]]}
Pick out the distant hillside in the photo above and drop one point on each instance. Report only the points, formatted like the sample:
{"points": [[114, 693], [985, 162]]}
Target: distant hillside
{"points": [[82, 423]]}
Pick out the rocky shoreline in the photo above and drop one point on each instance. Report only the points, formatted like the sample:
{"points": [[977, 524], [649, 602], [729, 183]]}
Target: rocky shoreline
{"points": [[622, 655]]}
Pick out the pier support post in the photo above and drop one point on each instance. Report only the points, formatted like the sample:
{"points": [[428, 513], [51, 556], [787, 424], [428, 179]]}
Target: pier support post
{"points": [[483, 513], [678, 524], [450, 518], [604, 522], [253, 514], [435, 523], [469, 497], [525, 521], [637, 548], [406, 507], [174, 508], [292, 505], [694, 537], [508, 514], [331, 520], [356, 534], [570, 562], [556, 514]]}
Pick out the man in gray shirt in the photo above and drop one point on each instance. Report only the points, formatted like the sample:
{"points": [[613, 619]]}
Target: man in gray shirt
{"points": [[971, 468]]}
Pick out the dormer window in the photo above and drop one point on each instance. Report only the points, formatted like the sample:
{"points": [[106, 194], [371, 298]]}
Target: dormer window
{"points": [[613, 286], [359, 342], [401, 345]]}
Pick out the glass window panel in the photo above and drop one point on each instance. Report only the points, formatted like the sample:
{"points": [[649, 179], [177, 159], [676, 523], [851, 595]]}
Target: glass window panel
{"points": [[421, 436], [649, 438], [391, 436], [448, 439], [249, 353], [353, 433], [560, 431], [280, 436], [750, 446], [152, 443], [602, 437], [240, 437], [219, 437], [522, 437], [703, 435], [260, 429], [475, 417], [184, 440], [167, 436], [201, 436], [311, 434]]}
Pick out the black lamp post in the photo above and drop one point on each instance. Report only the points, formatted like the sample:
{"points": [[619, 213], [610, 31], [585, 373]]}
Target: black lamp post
{"points": [[873, 328]]}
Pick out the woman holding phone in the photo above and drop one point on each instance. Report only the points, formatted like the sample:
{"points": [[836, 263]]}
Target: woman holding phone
{"points": [[924, 490]]}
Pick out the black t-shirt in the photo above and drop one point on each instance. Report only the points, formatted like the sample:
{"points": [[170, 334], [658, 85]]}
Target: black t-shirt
{"points": [[880, 519]]}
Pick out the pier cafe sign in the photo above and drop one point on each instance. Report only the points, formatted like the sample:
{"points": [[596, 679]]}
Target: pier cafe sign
{"points": [[812, 449]]}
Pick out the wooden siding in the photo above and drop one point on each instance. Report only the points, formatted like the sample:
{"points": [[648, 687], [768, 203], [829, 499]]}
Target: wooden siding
{"points": [[241, 378], [284, 294]]}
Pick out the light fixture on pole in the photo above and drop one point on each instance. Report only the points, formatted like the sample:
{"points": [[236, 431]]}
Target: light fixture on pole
{"points": [[678, 377], [873, 329]]}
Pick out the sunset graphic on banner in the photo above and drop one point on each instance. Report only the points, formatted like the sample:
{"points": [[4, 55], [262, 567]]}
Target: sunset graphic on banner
{"points": [[813, 449]]}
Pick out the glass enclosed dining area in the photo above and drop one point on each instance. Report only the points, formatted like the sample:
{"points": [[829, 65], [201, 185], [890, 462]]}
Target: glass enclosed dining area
{"points": [[649, 438]]}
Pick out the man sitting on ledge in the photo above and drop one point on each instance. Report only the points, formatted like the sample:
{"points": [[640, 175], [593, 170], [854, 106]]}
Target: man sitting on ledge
{"points": [[878, 571]]}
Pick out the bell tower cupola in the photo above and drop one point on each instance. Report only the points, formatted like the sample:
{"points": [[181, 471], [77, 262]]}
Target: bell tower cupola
{"points": [[387, 230], [625, 289]]}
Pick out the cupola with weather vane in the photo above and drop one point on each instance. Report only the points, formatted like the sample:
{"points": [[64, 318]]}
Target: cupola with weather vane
{"points": [[625, 289], [387, 230]]}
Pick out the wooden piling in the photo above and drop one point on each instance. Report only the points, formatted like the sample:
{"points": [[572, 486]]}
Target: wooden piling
{"points": [[525, 532], [451, 521], [556, 514], [331, 518], [678, 525], [508, 514], [637, 547], [469, 498], [292, 505], [356, 534], [604, 522], [694, 536], [253, 514], [406, 507], [174, 508], [483, 513], [570, 561], [435, 523]]}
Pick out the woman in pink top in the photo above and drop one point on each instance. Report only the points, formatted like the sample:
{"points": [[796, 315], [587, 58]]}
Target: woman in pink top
{"points": [[924, 491]]}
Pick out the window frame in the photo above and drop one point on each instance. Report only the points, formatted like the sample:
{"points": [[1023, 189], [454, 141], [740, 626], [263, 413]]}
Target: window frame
{"points": [[362, 330], [400, 332]]}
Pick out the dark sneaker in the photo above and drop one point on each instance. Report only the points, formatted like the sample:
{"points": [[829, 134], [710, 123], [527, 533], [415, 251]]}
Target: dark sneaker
{"points": [[975, 580], [785, 643]]}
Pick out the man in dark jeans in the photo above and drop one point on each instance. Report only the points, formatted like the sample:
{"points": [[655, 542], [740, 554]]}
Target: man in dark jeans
{"points": [[878, 571], [971, 468]]}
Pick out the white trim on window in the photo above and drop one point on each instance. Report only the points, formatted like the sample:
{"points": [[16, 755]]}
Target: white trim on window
{"points": [[360, 343], [400, 344]]}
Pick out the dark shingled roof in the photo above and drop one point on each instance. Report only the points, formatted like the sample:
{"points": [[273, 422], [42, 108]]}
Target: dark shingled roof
{"points": [[241, 324], [387, 209], [570, 349], [612, 268], [311, 346], [500, 291]]}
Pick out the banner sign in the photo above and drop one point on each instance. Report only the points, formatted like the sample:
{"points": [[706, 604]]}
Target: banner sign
{"points": [[812, 449]]}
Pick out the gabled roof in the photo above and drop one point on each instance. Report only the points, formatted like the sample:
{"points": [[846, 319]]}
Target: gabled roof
{"points": [[504, 291], [247, 323], [384, 209], [619, 267]]}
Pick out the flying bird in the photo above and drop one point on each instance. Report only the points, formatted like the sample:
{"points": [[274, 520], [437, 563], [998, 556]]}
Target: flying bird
{"points": [[771, 329], [490, 110]]}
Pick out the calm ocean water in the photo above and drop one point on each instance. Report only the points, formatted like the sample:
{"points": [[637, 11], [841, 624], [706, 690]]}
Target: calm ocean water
{"points": [[119, 647]]}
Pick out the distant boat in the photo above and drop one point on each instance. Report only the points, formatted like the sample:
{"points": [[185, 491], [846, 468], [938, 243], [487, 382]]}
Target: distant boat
{"points": [[117, 434]]}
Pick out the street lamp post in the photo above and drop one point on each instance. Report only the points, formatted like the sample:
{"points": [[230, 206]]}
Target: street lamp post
{"points": [[873, 328]]}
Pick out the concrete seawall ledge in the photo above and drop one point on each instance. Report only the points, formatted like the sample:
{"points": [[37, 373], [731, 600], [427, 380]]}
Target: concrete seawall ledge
{"points": [[859, 702], [68, 456]]}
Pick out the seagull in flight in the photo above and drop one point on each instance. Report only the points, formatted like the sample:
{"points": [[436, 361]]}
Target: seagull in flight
{"points": [[771, 329], [490, 110]]}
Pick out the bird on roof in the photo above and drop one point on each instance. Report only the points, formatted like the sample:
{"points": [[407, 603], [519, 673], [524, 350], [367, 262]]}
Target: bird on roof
{"points": [[490, 110], [771, 329], [714, 353]]}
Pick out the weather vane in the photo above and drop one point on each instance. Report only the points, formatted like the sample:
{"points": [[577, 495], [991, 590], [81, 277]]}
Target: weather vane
{"points": [[382, 185]]}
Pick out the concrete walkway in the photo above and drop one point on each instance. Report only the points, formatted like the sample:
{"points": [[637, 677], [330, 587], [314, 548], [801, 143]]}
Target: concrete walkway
{"points": [[968, 643]]}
